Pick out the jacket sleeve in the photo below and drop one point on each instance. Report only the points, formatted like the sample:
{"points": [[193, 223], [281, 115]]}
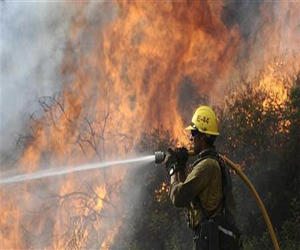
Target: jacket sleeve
{"points": [[182, 193]]}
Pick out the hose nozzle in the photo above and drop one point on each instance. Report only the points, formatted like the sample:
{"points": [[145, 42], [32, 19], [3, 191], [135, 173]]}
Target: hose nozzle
{"points": [[159, 157]]}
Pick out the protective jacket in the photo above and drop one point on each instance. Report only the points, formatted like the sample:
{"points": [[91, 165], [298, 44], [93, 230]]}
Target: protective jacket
{"points": [[203, 193], [204, 183]]}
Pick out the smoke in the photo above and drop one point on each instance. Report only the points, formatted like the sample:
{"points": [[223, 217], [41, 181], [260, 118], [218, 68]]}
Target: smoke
{"points": [[269, 33], [33, 42]]}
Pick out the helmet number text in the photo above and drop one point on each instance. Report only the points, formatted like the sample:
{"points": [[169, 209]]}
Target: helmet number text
{"points": [[203, 119]]}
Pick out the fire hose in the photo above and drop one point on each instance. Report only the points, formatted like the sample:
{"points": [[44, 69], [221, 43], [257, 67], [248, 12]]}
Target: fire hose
{"points": [[159, 158]]}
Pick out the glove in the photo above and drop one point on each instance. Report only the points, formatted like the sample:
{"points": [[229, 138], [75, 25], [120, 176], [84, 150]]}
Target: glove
{"points": [[170, 161], [182, 157], [176, 160]]}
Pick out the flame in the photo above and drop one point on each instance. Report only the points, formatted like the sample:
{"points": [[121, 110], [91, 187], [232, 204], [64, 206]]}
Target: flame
{"points": [[276, 82], [162, 192], [153, 58], [101, 192], [127, 79]]}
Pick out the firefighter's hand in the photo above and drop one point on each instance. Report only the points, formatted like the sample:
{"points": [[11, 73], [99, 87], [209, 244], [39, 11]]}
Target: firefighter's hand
{"points": [[171, 162], [182, 157]]}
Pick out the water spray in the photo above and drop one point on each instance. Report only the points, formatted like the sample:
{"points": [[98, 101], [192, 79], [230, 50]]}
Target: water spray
{"points": [[160, 156], [66, 170]]}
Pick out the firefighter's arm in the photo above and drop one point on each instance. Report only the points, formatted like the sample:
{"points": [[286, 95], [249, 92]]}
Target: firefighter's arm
{"points": [[174, 178], [178, 176], [182, 193]]}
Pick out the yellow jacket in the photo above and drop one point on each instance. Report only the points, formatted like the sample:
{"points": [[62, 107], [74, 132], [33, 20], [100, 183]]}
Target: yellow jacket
{"points": [[204, 183]]}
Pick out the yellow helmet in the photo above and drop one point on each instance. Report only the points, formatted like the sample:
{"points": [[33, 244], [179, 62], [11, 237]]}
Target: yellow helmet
{"points": [[205, 121]]}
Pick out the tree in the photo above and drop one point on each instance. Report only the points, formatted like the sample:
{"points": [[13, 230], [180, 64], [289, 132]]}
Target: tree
{"points": [[265, 140]]}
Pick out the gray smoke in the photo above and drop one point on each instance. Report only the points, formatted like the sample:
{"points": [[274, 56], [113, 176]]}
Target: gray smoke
{"points": [[269, 30], [32, 42], [34, 37]]}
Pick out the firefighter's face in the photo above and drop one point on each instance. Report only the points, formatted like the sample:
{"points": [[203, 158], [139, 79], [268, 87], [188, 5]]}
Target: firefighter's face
{"points": [[198, 141]]}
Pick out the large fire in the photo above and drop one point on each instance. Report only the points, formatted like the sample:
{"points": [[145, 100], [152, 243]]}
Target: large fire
{"points": [[123, 78]]}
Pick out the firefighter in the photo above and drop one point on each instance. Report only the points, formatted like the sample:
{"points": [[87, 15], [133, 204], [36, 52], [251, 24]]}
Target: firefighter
{"points": [[206, 191]]}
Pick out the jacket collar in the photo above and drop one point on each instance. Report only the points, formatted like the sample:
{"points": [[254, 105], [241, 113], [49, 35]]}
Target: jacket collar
{"points": [[211, 152]]}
